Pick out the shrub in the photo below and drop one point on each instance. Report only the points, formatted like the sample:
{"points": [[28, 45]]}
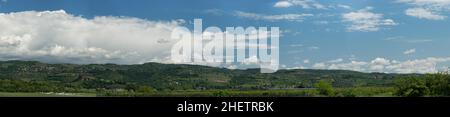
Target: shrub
{"points": [[145, 89], [325, 88], [438, 84], [411, 87], [221, 94], [428, 85]]}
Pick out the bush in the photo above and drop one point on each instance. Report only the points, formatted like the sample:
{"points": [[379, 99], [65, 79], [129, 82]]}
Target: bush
{"points": [[221, 94], [364, 91], [411, 87], [438, 84], [428, 85], [145, 89], [325, 88]]}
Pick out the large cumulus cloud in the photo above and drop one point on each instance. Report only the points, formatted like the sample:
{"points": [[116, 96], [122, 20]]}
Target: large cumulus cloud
{"points": [[60, 37]]}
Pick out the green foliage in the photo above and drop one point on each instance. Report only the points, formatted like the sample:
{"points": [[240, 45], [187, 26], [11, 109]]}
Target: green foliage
{"points": [[438, 84], [364, 92], [325, 87], [429, 85], [221, 94], [169, 77], [411, 87], [145, 89], [154, 79]]}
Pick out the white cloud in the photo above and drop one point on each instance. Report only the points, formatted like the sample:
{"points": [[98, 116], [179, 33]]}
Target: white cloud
{"points": [[217, 12], [283, 4], [423, 13], [321, 22], [306, 4], [410, 51], [394, 38], [379, 64], [430, 3], [352, 65], [419, 41], [306, 61], [366, 21], [404, 39], [344, 6], [427, 9], [286, 17], [426, 65], [56, 36], [250, 60], [231, 67], [313, 48], [336, 60], [319, 66]]}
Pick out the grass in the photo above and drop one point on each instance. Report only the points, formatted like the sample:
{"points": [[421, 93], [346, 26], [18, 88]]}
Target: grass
{"points": [[338, 92], [365, 92], [241, 93], [41, 94]]}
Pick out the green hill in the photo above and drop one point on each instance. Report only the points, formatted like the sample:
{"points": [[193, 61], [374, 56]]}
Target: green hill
{"points": [[31, 76]]}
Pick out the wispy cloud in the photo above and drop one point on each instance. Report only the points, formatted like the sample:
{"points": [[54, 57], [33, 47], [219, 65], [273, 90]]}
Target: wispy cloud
{"points": [[393, 38], [419, 40], [336, 60], [215, 12], [313, 48], [344, 6], [380, 64], [410, 51], [404, 39], [423, 13], [278, 17], [306, 4], [365, 21], [306, 61], [427, 9]]}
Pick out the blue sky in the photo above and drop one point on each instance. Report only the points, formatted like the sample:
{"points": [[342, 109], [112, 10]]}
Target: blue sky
{"points": [[364, 35]]}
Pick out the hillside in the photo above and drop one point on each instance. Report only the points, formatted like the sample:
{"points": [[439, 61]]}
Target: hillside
{"points": [[73, 77]]}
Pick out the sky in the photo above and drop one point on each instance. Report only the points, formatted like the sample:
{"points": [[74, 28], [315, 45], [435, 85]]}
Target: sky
{"points": [[392, 36]]}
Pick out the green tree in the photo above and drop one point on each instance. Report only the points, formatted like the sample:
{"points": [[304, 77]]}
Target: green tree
{"points": [[411, 87], [438, 84], [325, 87]]}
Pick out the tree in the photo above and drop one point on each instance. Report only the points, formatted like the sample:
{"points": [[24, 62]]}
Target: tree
{"points": [[325, 87], [438, 84], [429, 85], [411, 87]]}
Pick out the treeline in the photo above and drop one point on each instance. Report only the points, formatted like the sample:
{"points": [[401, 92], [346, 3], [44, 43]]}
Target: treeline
{"points": [[429, 85], [29, 86]]}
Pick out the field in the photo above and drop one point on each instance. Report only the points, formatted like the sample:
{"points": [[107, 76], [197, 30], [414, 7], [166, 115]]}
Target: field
{"points": [[341, 92], [337, 92], [37, 94]]}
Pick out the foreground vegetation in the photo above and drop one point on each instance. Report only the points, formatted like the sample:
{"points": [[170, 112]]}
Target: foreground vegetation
{"points": [[28, 78], [340, 92], [429, 85]]}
